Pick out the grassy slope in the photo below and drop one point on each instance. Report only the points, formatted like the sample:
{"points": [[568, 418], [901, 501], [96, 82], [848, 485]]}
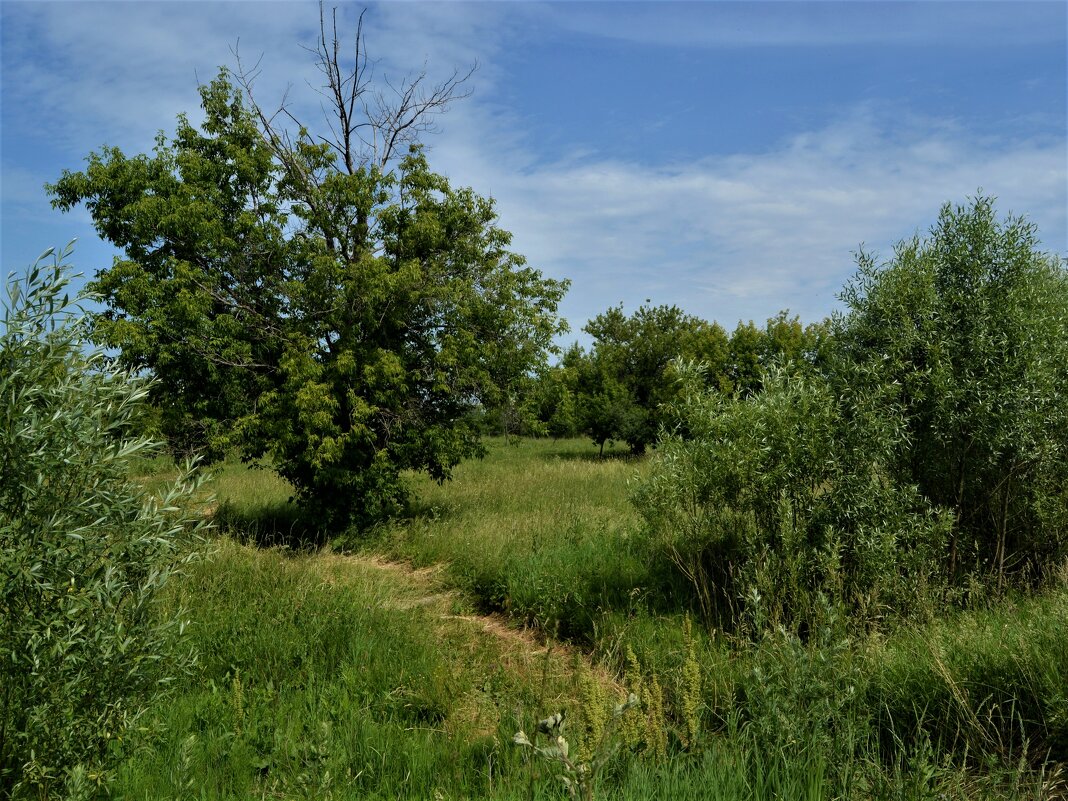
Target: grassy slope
{"points": [[329, 676], [542, 530], [319, 673]]}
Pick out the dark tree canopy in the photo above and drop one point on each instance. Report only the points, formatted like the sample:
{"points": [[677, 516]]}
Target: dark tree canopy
{"points": [[337, 313]]}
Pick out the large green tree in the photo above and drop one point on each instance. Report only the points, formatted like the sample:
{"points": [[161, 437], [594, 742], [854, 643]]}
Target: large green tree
{"points": [[335, 306]]}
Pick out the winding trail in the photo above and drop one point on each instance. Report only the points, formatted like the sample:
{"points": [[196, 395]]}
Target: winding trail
{"points": [[426, 590]]}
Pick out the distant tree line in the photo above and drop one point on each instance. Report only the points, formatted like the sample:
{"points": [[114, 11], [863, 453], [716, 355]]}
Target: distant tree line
{"points": [[622, 388]]}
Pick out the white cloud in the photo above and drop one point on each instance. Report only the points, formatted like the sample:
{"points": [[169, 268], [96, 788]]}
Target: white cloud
{"points": [[732, 237], [743, 236], [117, 72]]}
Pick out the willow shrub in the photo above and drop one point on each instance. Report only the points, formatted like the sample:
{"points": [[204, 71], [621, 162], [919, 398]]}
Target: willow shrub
{"points": [[784, 497], [931, 445], [84, 550], [965, 335]]}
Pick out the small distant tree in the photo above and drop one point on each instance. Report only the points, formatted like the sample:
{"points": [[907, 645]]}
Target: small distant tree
{"points": [[554, 401], [783, 342], [85, 550], [746, 349], [628, 380]]}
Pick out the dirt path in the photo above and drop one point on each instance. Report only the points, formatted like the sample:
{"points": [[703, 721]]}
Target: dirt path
{"points": [[425, 589]]}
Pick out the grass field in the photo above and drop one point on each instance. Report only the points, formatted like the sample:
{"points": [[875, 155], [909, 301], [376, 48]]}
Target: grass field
{"points": [[400, 665]]}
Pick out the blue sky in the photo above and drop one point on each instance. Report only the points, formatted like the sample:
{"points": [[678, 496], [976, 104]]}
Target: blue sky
{"points": [[726, 157]]}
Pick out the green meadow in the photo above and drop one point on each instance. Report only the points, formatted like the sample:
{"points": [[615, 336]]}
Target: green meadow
{"points": [[401, 664]]}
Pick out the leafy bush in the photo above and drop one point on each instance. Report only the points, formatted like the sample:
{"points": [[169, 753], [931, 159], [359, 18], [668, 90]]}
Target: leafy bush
{"points": [[926, 442], [965, 336], [805, 699], [84, 550], [782, 496]]}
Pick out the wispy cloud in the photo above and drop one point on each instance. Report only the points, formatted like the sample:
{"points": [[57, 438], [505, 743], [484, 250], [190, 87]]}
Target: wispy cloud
{"points": [[743, 236], [115, 73], [808, 24]]}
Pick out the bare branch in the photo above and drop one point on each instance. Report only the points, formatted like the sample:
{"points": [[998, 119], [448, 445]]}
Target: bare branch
{"points": [[400, 120], [368, 127], [365, 127], [280, 142]]}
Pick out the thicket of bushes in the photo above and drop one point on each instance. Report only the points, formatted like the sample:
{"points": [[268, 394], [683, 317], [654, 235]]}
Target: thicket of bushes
{"points": [[925, 457]]}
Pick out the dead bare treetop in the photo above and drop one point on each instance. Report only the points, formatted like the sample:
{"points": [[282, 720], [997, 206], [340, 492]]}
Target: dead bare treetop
{"points": [[368, 122]]}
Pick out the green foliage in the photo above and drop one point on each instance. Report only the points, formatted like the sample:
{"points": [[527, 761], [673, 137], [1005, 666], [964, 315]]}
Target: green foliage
{"points": [[624, 383], [341, 320], [579, 776], [554, 396], [964, 334], [751, 351], [622, 390], [84, 551], [744, 371], [922, 440], [781, 496], [806, 697], [783, 343]]}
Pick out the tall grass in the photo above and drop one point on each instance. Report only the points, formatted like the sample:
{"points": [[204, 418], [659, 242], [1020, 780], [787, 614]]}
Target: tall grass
{"points": [[990, 683], [541, 530], [318, 673], [328, 676]]}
